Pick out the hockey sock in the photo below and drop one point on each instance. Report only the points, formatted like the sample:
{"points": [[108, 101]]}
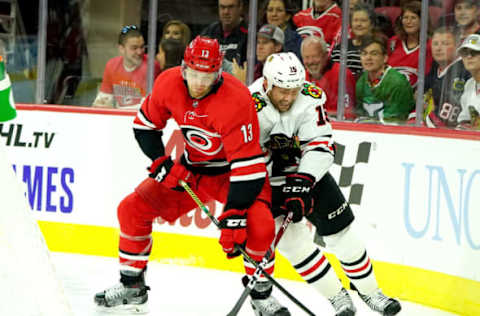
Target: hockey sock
{"points": [[317, 271], [250, 268], [360, 273]]}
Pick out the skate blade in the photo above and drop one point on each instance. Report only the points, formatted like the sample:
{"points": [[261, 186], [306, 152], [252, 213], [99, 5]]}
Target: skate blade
{"points": [[127, 309]]}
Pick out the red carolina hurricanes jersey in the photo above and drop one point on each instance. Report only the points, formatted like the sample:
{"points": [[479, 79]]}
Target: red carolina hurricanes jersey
{"points": [[329, 83], [406, 60], [330, 21], [220, 130]]}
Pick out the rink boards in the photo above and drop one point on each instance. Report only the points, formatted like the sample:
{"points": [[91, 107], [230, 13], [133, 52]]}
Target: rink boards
{"points": [[413, 196]]}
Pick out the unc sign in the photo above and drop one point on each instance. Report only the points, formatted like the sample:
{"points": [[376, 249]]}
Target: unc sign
{"points": [[448, 199]]}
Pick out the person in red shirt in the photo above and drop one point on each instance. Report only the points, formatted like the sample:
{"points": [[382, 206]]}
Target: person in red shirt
{"points": [[404, 48], [222, 161], [124, 83], [324, 18], [326, 74]]}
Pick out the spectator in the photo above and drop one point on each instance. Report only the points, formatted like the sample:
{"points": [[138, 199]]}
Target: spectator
{"points": [[404, 48], [230, 30], [362, 21], [445, 82], [382, 93], [124, 83], [325, 17], [325, 74], [178, 30], [280, 13], [170, 53], [466, 18], [470, 52], [270, 39]]}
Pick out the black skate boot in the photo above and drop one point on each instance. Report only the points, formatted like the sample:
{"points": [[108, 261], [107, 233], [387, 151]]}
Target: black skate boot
{"points": [[129, 296]]}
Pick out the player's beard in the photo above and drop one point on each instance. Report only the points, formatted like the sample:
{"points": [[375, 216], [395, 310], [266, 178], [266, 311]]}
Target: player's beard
{"points": [[283, 106]]}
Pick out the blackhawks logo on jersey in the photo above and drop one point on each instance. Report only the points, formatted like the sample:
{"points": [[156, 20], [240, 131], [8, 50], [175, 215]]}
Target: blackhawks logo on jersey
{"points": [[311, 90], [259, 101]]}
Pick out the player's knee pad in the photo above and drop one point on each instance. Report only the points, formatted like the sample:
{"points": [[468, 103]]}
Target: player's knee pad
{"points": [[126, 207], [297, 241], [345, 244]]}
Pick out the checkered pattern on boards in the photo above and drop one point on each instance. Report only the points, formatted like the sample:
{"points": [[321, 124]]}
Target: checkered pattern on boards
{"points": [[344, 174]]}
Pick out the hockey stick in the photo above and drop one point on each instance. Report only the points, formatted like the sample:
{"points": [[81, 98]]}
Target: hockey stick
{"points": [[242, 251], [254, 278]]}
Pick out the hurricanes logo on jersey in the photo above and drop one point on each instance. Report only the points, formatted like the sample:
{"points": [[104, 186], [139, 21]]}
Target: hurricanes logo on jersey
{"points": [[259, 101], [311, 90], [206, 142]]}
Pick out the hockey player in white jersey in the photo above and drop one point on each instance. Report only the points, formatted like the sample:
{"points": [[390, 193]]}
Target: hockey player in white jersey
{"points": [[297, 136]]}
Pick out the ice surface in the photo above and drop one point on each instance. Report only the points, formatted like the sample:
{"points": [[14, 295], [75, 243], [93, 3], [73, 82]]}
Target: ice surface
{"points": [[189, 291]]}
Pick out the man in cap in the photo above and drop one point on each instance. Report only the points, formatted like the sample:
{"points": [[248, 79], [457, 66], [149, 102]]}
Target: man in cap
{"points": [[470, 100], [270, 40]]}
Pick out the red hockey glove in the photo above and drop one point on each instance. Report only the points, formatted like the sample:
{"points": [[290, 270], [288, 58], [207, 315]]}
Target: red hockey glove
{"points": [[297, 191], [165, 171], [233, 224]]}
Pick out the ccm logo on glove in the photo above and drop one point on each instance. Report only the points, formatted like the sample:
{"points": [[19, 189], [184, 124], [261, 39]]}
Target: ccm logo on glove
{"points": [[296, 189], [235, 223], [298, 199]]}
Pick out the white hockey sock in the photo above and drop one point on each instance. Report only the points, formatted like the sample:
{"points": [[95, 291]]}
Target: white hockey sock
{"points": [[360, 273], [353, 257], [317, 271]]}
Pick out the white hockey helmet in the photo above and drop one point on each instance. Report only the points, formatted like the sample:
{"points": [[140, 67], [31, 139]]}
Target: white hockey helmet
{"points": [[283, 70]]}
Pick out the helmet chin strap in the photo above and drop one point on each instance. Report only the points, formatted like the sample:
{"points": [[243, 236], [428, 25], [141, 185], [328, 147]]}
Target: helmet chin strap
{"points": [[267, 86]]}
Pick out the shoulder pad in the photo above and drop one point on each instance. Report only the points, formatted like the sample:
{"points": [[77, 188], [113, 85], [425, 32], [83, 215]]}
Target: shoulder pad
{"points": [[260, 103], [312, 91]]}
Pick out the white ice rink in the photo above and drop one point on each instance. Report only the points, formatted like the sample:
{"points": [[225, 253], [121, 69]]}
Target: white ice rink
{"points": [[187, 291]]}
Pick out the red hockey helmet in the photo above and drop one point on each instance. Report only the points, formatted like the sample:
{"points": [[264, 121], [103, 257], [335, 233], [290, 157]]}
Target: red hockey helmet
{"points": [[203, 54]]}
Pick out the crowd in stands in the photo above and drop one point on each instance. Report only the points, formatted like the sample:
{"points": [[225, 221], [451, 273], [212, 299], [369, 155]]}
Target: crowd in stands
{"points": [[382, 56]]}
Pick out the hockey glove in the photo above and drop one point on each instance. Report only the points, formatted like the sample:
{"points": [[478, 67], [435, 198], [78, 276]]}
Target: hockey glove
{"points": [[297, 193], [165, 171], [233, 225]]}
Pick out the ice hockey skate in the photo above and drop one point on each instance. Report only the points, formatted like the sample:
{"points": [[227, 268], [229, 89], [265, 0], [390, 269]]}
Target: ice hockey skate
{"points": [[343, 304], [124, 299], [381, 303], [268, 307], [263, 303]]}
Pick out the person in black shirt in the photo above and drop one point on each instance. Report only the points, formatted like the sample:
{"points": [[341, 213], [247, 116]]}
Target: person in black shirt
{"points": [[230, 30], [445, 82]]}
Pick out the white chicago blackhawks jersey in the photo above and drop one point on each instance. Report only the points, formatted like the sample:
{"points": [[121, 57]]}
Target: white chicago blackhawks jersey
{"points": [[298, 140]]}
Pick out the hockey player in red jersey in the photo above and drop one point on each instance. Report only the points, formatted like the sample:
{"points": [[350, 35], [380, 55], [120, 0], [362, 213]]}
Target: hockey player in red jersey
{"points": [[222, 161], [297, 136]]}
